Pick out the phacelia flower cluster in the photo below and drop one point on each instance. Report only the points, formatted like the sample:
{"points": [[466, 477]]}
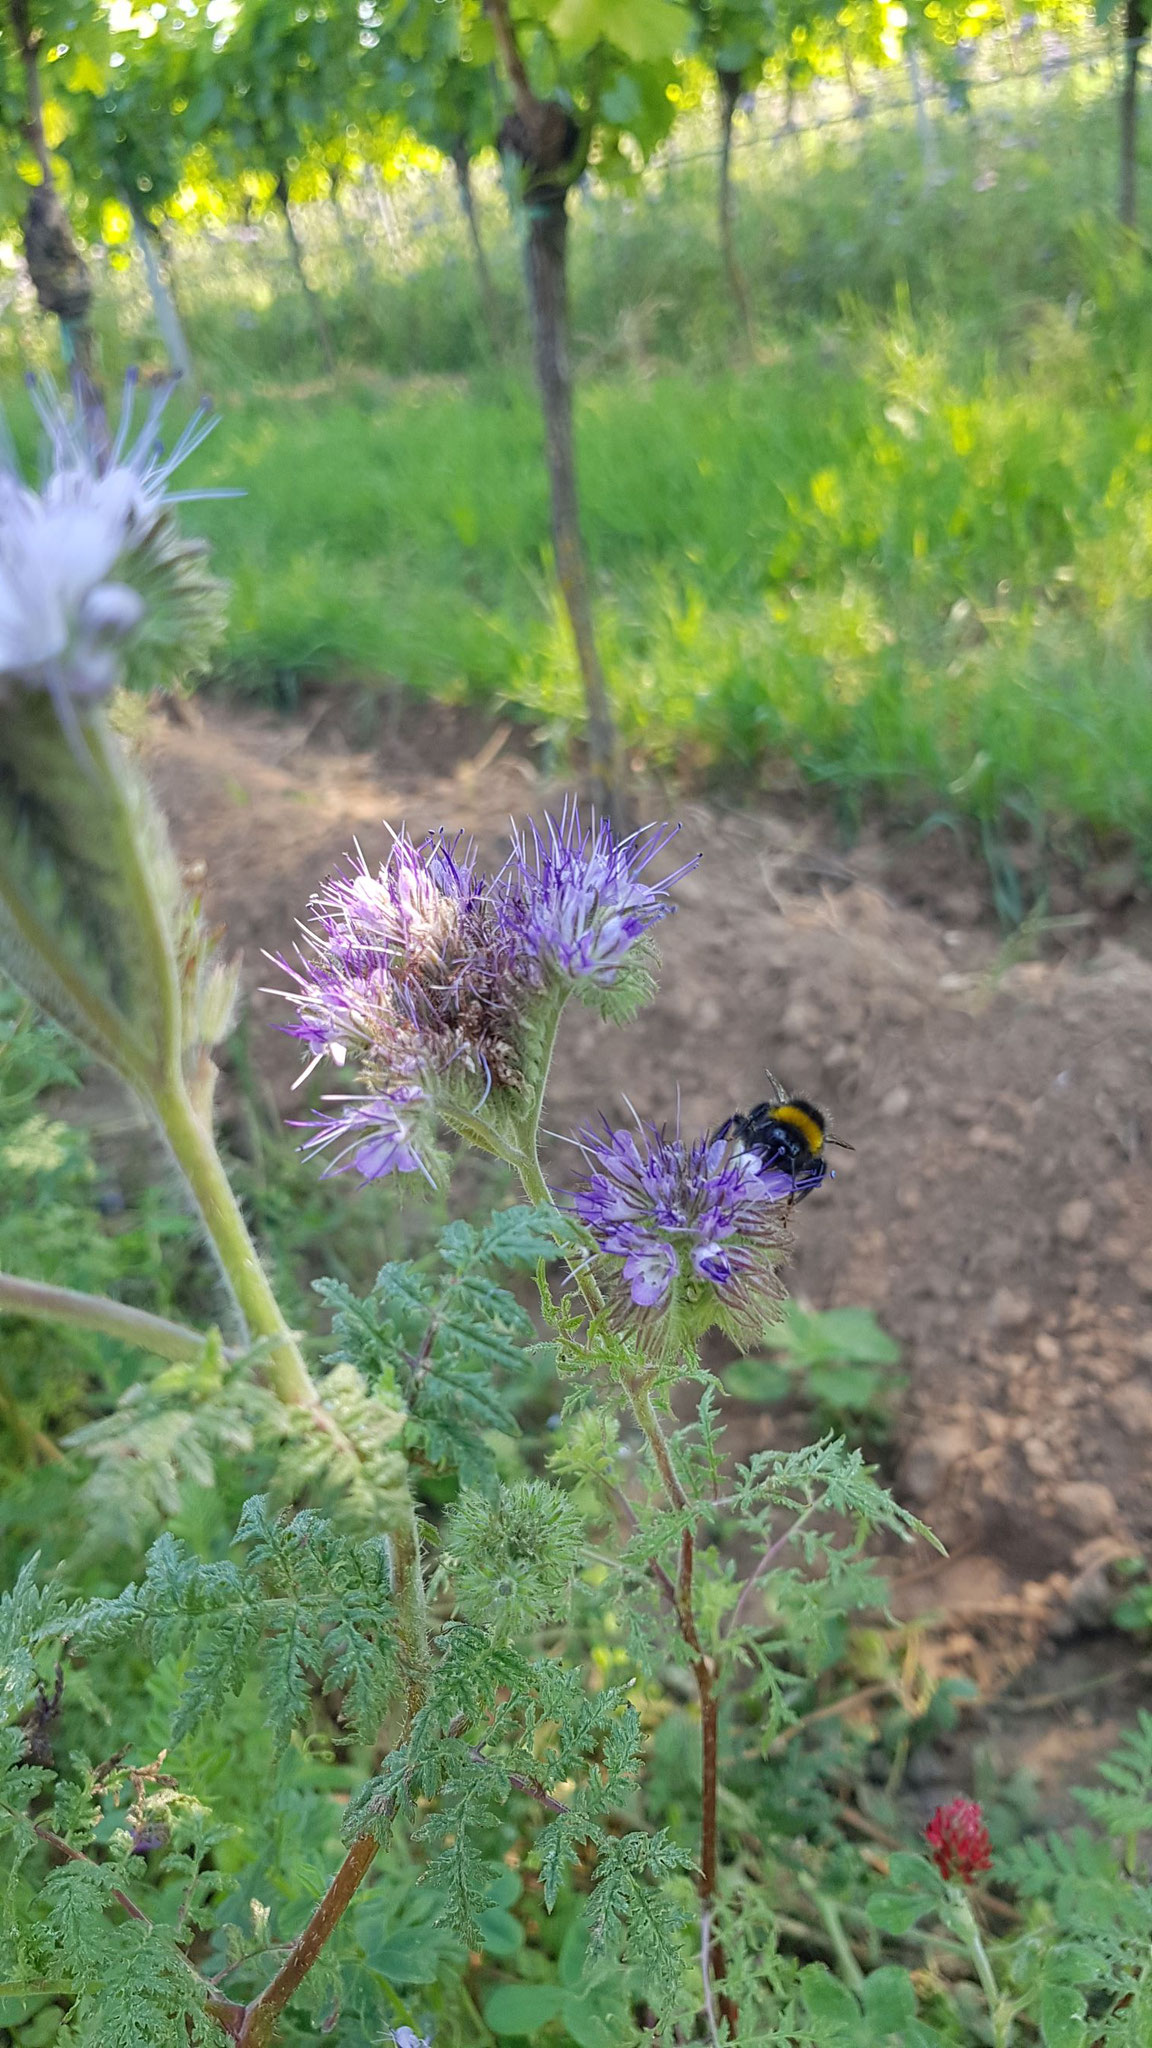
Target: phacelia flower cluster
{"points": [[582, 901], [958, 1840], [91, 563], [688, 1230], [438, 988]]}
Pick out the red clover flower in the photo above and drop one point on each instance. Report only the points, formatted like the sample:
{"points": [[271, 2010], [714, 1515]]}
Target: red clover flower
{"points": [[958, 1840], [691, 1231]]}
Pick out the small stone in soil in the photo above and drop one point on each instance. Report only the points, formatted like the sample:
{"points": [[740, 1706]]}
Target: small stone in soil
{"points": [[1009, 1309], [1074, 1221], [1132, 1407], [1089, 1506], [1141, 1272]]}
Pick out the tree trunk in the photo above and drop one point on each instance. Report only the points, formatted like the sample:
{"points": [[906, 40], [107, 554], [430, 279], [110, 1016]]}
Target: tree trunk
{"points": [[542, 137], [352, 241], [164, 307], [929, 157], [297, 254], [729, 84], [859, 100], [462, 165], [1135, 36], [59, 274], [386, 213], [546, 249]]}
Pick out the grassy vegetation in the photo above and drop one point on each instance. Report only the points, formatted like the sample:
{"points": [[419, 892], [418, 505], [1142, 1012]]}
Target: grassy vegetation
{"points": [[908, 545]]}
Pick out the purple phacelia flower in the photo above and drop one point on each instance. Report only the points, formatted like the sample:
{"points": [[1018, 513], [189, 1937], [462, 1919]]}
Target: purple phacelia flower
{"points": [[438, 987], [371, 1134], [584, 905], [415, 975], [693, 1231]]}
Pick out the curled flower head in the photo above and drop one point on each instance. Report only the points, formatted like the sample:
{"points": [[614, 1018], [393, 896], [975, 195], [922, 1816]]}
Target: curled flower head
{"points": [[91, 564], [958, 1840], [689, 1231], [586, 907], [415, 975], [431, 983]]}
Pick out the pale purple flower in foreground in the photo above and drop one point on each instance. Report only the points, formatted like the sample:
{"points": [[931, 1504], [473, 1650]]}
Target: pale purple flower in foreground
{"points": [[372, 1134], [684, 1225], [435, 986], [73, 550], [582, 896]]}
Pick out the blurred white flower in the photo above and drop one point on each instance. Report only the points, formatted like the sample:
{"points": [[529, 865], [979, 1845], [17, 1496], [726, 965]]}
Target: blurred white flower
{"points": [[88, 557]]}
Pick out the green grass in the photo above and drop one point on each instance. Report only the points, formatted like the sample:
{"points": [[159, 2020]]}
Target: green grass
{"points": [[909, 548]]}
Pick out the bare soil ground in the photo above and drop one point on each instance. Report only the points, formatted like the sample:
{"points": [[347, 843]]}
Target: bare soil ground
{"points": [[996, 1212]]}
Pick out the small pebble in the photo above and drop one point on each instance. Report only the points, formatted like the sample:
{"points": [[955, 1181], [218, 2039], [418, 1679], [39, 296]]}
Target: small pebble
{"points": [[1089, 1506], [1074, 1222], [1009, 1309]]}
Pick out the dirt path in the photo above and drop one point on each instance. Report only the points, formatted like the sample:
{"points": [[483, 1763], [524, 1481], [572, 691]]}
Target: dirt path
{"points": [[996, 1211]]}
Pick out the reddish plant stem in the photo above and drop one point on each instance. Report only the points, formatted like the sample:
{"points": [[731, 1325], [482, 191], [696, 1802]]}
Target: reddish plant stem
{"points": [[72, 1855], [260, 2019], [705, 1671]]}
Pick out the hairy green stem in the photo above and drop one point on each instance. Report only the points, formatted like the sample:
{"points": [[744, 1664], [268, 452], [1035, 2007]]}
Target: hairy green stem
{"points": [[194, 1149], [177, 1342], [829, 1912], [999, 2010], [704, 1668]]}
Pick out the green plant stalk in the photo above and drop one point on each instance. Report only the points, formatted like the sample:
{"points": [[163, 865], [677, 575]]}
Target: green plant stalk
{"points": [[177, 1342], [194, 1149], [829, 1913], [999, 2009], [146, 1039], [705, 1669]]}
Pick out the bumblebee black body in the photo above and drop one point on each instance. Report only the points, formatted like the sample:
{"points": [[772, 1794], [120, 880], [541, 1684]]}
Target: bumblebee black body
{"points": [[788, 1137]]}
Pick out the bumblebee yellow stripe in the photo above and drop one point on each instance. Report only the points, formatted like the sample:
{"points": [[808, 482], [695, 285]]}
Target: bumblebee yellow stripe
{"points": [[809, 1129]]}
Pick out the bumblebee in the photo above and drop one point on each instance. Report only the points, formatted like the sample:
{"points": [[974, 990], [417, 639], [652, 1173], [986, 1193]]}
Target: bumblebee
{"points": [[789, 1135]]}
